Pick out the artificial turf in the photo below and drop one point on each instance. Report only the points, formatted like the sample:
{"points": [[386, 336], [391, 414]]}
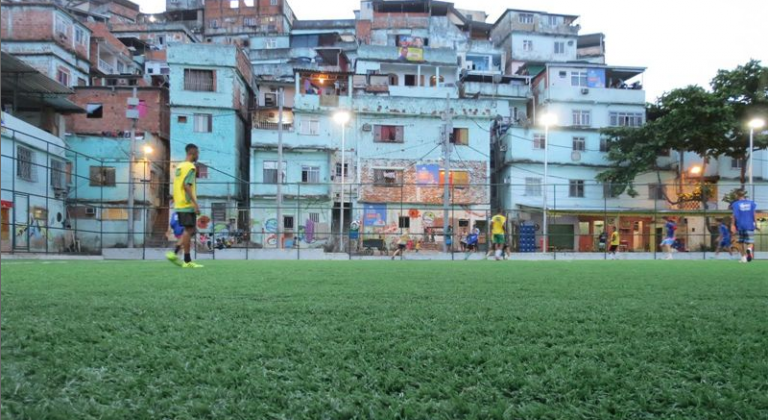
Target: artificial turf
{"points": [[385, 340]]}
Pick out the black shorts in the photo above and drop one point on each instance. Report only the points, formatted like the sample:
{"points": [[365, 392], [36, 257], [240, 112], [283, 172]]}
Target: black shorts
{"points": [[401, 246], [188, 219], [614, 248]]}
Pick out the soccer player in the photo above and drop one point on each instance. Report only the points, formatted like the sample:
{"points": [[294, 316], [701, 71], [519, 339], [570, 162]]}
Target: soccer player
{"points": [[724, 239], [402, 243], [669, 240], [185, 205], [615, 242], [745, 222], [498, 229], [472, 240]]}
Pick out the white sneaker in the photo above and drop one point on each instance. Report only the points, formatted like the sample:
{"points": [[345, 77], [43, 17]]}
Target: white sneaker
{"points": [[743, 260], [669, 257]]}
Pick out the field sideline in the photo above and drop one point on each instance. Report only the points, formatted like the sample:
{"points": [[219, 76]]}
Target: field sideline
{"points": [[385, 340]]}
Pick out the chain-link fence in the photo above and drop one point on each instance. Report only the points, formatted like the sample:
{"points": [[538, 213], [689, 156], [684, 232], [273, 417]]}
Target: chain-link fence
{"points": [[59, 201]]}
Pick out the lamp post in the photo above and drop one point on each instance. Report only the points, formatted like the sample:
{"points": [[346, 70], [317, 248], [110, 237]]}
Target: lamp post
{"points": [[755, 124], [549, 120], [342, 118]]}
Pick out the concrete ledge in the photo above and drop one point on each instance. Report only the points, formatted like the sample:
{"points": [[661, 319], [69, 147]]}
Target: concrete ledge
{"points": [[52, 257]]}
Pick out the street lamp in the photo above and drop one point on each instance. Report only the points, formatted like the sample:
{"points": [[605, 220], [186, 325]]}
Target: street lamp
{"points": [[755, 124], [548, 120], [696, 170], [148, 150], [342, 118]]}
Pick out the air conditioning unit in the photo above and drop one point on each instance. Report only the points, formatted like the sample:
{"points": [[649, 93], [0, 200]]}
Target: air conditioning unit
{"points": [[367, 127], [90, 211], [585, 91], [576, 156]]}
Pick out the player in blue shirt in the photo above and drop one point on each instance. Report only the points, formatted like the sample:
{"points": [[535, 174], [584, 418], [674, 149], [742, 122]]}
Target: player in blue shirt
{"points": [[669, 239], [724, 242], [745, 223]]}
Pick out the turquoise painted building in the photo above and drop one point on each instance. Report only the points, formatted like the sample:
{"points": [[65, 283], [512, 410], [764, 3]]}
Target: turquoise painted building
{"points": [[210, 97]]}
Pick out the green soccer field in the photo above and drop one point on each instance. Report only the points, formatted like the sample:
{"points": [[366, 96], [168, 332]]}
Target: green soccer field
{"points": [[385, 340]]}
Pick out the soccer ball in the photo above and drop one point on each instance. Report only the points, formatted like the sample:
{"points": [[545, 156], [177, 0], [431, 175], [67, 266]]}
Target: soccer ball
{"points": [[355, 225]]}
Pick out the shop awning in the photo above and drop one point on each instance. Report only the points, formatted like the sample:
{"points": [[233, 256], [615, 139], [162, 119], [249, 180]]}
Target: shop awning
{"points": [[6, 204]]}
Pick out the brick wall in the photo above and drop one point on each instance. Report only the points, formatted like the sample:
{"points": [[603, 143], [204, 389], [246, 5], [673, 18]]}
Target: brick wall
{"points": [[476, 193], [123, 11], [26, 23], [157, 119], [232, 20]]}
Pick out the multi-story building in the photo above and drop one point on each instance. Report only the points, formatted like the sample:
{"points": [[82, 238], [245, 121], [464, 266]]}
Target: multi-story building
{"points": [[235, 21], [101, 200], [49, 38], [210, 92], [35, 175], [572, 84]]}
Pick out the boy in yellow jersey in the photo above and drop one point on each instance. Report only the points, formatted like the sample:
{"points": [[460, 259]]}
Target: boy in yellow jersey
{"points": [[615, 242], [498, 230], [185, 205]]}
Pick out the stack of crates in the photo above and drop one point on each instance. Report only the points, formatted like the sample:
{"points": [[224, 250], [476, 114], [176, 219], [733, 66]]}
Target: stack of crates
{"points": [[527, 238]]}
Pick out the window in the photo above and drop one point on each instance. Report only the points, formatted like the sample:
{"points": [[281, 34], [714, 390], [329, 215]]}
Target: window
{"points": [[605, 146], [81, 81], [563, 74], [338, 170], [314, 217], [80, 37], [58, 174], [582, 118], [656, 192], [203, 123], [579, 78], [62, 76], [234, 4], [161, 40], [527, 45], [270, 43], [539, 141], [552, 20], [609, 191], [273, 2], [288, 222], [250, 22], [201, 171], [388, 177], [219, 212], [102, 176], [25, 159], [182, 119], [404, 222], [576, 189], [533, 187], [460, 136], [458, 179], [737, 163], [410, 80], [559, 47], [310, 174], [579, 144], [94, 110], [214, 23], [62, 27], [388, 133], [526, 18], [309, 128], [270, 171], [434, 81], [249, 3], [626, 119], [199, 80]]}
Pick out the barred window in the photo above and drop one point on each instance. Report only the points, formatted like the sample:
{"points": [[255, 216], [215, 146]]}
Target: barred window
{"points": [[25, 164], [199, 80], [58, 174], [310, 174], [388, 177], [102, 176]]}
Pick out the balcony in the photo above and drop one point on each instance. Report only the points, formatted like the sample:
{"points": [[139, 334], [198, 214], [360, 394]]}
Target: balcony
{"points": [[321, 102], [105, 67], [268, 120], [400, 21], [429, 107], [439, 56], [599, 95], [496, 90]]}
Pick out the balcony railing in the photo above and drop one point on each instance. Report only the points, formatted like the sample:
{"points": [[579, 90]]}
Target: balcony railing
{"points": [[105, 67], [268, 125], [399, 21]]}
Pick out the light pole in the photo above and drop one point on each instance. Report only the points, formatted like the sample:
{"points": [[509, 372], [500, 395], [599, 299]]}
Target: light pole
{"points": [[755, 124], [549, 120], [342, 118]]}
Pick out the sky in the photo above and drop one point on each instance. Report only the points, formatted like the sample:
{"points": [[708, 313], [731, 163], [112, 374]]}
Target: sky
{"points": [[681, 42]]}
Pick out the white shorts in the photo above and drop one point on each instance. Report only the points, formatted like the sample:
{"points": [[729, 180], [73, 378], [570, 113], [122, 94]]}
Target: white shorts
{"points": [[668, 241]]}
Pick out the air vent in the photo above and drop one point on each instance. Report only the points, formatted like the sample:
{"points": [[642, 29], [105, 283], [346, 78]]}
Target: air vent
{"points": [[576, 156]]}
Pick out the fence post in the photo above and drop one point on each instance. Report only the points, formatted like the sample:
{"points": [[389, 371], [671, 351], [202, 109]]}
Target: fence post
{"points": [[605, 223], [655, 216], [554, 205], [13, 192], [146, 210], [47, 193], [297, 238]]}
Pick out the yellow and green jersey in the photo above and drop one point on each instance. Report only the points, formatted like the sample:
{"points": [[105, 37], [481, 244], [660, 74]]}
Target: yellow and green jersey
{"points": [[497, 224], [615, 240], [185, 175]]}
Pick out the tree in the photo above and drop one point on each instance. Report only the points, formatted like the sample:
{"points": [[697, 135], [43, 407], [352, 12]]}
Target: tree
{"points": [[692, 119]]}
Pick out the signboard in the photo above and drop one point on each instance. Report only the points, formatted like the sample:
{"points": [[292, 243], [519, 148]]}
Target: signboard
{"points": [[427, 174], [375, 215], [411, 54], [596, 78]]}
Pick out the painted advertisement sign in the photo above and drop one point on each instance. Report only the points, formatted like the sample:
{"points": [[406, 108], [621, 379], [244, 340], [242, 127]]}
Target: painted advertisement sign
{"points": [[596, 78], [427, 174], [375, 215]]}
